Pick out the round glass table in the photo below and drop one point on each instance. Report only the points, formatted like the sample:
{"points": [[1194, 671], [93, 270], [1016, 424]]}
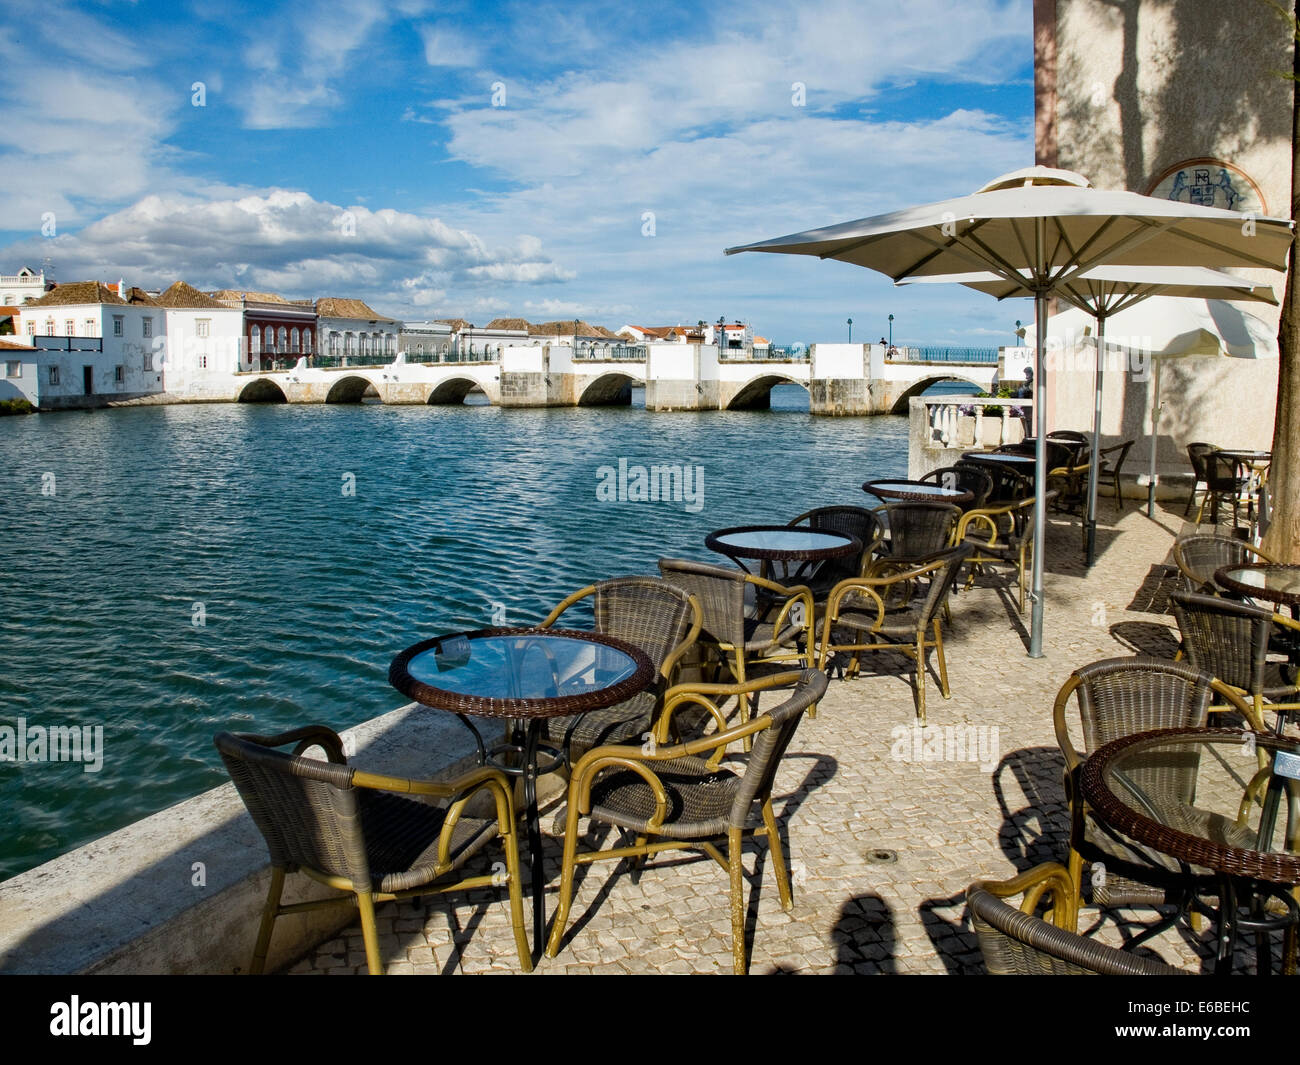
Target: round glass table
{"points": [[917, 492], [523, 676], [781, 543], [1006, 458], [1272, 581], [1209, 798]]}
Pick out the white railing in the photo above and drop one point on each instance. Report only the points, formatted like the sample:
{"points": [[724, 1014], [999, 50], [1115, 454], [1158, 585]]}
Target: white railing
{"points": [[964, 422]]}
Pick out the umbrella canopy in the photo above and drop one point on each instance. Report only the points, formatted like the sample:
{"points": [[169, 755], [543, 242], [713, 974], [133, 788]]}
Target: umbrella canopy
{"points": [[1045, 226], [1168, 324]]}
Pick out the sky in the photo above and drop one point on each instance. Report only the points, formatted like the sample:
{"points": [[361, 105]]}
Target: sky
{"points": [[538, 160]]}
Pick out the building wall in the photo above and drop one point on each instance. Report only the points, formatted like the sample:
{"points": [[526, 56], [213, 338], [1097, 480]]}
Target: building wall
{"points": [[133, 351], [1127, 90], [190, 357], [376, 335]]}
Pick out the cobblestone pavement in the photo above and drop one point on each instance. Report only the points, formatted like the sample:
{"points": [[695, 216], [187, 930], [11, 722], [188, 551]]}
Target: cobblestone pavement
{"points": [[882, 845]]}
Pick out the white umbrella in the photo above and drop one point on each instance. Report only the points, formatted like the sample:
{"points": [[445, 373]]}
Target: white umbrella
{"points": [[1049, 226], [1166, 328], [1107, 292]]}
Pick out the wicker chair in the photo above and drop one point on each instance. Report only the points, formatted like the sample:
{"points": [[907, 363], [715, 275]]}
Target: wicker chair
{"points": [[353, 831], [1196, 453], [1000, 534], [1199, 556], [651, 614], [1014, 942], [1110, 464], [1118, 697], [1008, 485], [683, 798], [916, 531], [969, 478], [852, 521], [876, 621], [1223, 481], [1231, 641]]}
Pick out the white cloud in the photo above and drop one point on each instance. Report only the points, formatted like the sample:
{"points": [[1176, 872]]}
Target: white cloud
{"points": [[445, 46], [286, 241]]}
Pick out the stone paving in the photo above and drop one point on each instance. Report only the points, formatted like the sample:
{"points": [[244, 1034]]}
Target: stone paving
{"points": [[882, 845]]}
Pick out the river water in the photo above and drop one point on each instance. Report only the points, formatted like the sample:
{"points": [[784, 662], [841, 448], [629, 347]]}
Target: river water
{"points": [[173, 571]]}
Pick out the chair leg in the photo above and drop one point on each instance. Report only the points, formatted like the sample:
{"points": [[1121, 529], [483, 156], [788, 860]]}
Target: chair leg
{"points": [[1075, 868], [511, 843], [269, 913], [566, 879], [744, 699], [943, 664], [778, 857], [369, 933], [920, 679], [739, 963]]}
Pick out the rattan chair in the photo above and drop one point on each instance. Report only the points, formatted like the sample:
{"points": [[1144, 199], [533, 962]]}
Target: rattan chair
{"points": [[683, 797], [916, 531], [1118, 697], [354, 831], [969, 478], [1224, 480], [1110, 464], [1231, 641], [1009, 485], [1015, 942], [870, 617], [1000, 534], [1200, 555], [653, 615], [749, 621], [852, 521], [1196, 453]]}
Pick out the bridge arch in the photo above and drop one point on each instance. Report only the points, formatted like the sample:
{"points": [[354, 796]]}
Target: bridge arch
{"points": [[452, 391], [757, 394], [901, 404], [351, 389], [611, 389], [262, 390]]}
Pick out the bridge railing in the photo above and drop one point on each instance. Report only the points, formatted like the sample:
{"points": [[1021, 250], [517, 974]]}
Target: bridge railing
{"points": [[929, 353], [612, 353], [766, 355]]}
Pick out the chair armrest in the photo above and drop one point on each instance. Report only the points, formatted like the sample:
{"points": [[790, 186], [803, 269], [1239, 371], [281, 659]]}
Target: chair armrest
{"points": [[698, 692], [675, 655], [581, 593], [1049, 877], [306, 737], [797, 593]]}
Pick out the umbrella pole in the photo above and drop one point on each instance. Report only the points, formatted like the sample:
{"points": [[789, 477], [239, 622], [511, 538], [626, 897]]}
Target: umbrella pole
{"points": [[1155, 431], [1094, 460], [1040, 476]]}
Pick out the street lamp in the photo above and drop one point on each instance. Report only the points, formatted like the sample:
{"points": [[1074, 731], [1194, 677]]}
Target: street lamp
{"points": [[1020, 333], [891, 330], [850, 330]]}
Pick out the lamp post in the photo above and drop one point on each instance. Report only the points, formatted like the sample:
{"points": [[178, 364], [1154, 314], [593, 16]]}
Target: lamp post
{"points": [[1020, 334], [891, 330], [850, 330]]}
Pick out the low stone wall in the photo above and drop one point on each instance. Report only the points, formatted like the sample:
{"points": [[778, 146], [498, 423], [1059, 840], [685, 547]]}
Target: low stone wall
{"points": [[182, 891]]}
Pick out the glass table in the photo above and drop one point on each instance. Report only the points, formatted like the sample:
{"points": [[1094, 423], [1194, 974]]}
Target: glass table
{"points": [[1275, 582], [1201, 797], [523, 676], [917, 492], [783, 544]]}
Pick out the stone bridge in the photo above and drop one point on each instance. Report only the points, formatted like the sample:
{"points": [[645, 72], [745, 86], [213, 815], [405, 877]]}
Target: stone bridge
{"points": [[841, 379]]}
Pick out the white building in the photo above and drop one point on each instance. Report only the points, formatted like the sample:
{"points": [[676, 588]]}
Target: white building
{"points": [[419, 340], [347, 328], [92, 343], [205, 340], [17, 289]]}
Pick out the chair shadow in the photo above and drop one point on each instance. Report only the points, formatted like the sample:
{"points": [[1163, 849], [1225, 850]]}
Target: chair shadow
{"points": [[1147, 638]]}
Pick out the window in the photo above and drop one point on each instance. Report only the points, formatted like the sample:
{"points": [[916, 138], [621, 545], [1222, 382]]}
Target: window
{"points": [[284, 339], [70, 327], [13, 368], [31, 328], [119, 374], [148, 360], [54, 375], [49, 327], [254, 341], [294, 341], [117, 325], [334, 343], [202, 327], [203, 362], [306, 341], [92, 327], [148, 327], [269, 334]]}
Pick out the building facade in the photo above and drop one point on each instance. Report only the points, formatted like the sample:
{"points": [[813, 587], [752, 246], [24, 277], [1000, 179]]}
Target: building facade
{"points": [[205, 338], [348, 328], [279, 331]]}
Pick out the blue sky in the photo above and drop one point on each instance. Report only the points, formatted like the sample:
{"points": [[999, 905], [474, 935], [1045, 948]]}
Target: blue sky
{"points": [[361, 149]]}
